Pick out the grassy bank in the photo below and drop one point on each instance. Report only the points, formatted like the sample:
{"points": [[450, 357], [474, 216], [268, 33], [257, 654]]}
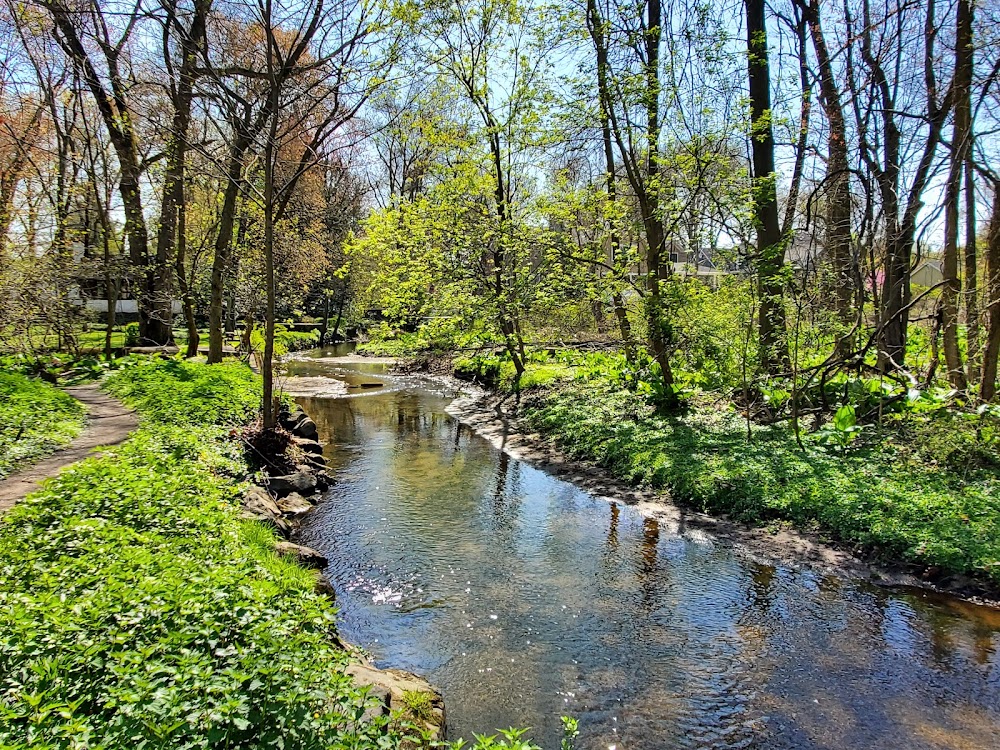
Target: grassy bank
{"points": [[138, 611], [922, 488], [36, 418]]}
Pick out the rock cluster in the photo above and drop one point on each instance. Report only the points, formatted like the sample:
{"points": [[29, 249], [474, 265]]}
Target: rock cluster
{"points": [[284, 499]]}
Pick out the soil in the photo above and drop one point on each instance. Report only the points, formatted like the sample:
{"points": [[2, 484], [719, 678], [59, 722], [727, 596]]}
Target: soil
{"points": [[109, 423]]}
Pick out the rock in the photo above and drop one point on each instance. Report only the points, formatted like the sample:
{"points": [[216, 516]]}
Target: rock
{"points": [[294, 505], [290, 419], [307, 557], [323, 586], [259, 506], [301, 482], [415, 698], [317, 463], [313, 447], [258, 501], [305, 428]]}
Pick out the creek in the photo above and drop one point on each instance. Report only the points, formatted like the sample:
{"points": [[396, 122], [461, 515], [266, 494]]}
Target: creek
{"points": [[525, 598]]}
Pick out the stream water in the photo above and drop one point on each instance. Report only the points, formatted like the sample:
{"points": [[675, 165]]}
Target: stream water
{"points": [[524, 598]]}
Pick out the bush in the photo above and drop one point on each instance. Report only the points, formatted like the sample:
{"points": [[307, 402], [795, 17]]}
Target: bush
{"points": [[132, 334], [36, 418]]}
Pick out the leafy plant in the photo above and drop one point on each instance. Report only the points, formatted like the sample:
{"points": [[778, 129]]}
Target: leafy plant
{"points": [[132, 334], [842, 430], [36, 418]]}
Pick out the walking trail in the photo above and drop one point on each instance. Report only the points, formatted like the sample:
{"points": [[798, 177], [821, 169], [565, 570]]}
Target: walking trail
{"points": [[109, 422]]}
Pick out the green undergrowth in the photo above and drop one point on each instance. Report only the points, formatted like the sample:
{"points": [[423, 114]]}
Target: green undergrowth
{"points": [[924, 492], [36, 418], [137, 610], [295, 341], [181, 392]]}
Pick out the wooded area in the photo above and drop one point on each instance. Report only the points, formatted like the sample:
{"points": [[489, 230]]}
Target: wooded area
{"points": [[655, 175]]}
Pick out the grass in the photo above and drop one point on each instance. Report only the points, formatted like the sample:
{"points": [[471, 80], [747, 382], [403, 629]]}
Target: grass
{"points": [[36, 418], [138, 611], [925, 492]]}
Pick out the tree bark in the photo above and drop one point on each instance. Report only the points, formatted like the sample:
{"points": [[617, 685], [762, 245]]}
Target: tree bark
{"points": [[840, 274], [962, 129], [991, 351], [770, 245], [221, 259], [971, 273], [598, 33]]}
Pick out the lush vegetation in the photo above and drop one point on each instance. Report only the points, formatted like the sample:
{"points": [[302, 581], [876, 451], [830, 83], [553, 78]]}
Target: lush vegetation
{"points": [[36, 418], [138, 610], [175, 391], [920, 483], [146, 614]]}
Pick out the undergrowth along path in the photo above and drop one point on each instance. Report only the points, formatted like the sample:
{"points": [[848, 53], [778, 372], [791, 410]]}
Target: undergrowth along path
{"points": [[109, 422]]}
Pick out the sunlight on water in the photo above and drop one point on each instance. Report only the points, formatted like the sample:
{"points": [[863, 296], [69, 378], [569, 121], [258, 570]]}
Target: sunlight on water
{"points": [[525, 598]]}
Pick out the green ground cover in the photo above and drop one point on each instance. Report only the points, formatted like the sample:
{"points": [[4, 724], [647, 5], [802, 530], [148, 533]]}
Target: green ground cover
{"points": [[36, 418], [920, 486], [138, 611]]}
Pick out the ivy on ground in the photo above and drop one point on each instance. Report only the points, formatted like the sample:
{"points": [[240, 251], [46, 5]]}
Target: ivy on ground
{"points": [[36, 418]]}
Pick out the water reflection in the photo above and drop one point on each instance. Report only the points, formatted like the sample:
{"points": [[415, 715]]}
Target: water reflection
{"points": [[525, 598]]}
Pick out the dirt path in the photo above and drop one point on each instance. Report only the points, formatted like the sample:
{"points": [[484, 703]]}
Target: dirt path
{"points": [[109, 422]]}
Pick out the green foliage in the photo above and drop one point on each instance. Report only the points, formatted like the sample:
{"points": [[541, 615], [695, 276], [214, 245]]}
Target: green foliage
{"points": [[138, 611], [927, 492], [132, 334], [36, 418], [147, 615], [508, 739], [418, 704], [184, 392], [842, 430]]}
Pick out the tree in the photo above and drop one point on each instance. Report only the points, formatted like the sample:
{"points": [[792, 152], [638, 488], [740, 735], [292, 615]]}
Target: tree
{"points": [[770, 244]]}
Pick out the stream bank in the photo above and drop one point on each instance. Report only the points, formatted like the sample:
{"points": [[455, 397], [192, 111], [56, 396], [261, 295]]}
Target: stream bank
{"points": [[524, 597]]}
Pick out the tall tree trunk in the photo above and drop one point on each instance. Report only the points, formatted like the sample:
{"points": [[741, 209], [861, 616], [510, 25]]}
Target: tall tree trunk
{"points": [[841, 273], [991, 351], [118, 119], [962, 129], [971, 272], [598, 32], [270, 154], [187, 296], [221, 259], [656, 271], [770, 246], [168, 239]]}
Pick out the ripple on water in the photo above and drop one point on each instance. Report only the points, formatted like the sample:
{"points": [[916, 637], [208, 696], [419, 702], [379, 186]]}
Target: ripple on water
{"points": [[525, 598]]}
